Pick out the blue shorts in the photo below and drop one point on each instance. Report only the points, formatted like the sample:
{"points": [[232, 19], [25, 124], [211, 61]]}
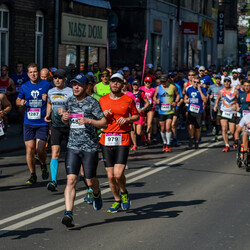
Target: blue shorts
{"points": [[31, 132]]}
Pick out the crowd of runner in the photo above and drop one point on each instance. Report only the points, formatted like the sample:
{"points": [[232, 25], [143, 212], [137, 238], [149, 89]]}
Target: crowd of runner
{"points": [[115, 110]]}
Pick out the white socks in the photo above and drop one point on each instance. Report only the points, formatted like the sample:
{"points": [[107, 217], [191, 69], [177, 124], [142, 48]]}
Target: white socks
{"points": [[163, 136], [168, 136]]}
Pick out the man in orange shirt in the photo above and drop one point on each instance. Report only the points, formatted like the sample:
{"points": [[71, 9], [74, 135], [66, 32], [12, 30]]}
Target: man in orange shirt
{"points": [[120, 112]]}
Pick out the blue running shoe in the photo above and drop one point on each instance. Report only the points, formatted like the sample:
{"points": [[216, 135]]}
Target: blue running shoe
{"points": [[89, 196], [67, 219], [97, 202], [114, 208], [125, 201]]}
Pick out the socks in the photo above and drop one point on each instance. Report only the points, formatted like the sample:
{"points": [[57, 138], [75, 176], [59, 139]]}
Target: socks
{"points": [[168, 136], [163, 136], [53, 169]]}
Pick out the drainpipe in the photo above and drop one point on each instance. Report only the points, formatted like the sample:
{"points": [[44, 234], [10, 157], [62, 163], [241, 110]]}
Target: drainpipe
{"points": [[56, 32]]}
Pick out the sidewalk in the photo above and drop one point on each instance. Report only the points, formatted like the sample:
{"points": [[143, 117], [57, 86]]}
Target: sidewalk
{"points": [[14, 140]]}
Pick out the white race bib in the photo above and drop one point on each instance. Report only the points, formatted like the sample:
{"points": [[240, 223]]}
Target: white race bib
{"points": [[245, 112], [165, 106], [74, 123], [150, 101], [1, 129], [3, 90], [34, 113], [138, 105], [238, 114], [113, 139], [194, 108], [227, 115]]}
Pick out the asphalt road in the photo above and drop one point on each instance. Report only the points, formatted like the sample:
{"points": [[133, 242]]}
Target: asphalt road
{"points": [[187, 199]]}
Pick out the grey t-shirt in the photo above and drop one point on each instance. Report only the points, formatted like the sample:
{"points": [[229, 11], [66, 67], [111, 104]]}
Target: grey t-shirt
{"points": [[214, 90], [83, 137], [58, 99]]}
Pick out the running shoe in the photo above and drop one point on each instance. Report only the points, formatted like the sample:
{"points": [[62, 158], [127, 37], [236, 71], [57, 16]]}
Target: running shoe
{"points": [[134, 148], [52, 186], [164, 147], [67, 219], [114, 208], [216, 138], [143, 138], [168, 149], [45, 172], [89, 196], [148, 142], [125, 201], [175, 142], [97, 202], [196, 145], [32, 180], [226, 149], [190, 143], [203, 128]]}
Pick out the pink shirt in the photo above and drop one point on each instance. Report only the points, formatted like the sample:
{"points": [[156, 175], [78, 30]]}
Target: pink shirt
{"points": [[149, 93], [130, 94]]}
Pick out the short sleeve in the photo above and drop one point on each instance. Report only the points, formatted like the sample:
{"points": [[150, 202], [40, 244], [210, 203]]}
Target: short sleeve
{"points": [[133, 109], [96, 110]]}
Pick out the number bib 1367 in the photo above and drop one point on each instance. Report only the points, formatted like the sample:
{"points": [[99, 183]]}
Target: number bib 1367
{"points": [[113, 139], [194, 108], [34, 113]]}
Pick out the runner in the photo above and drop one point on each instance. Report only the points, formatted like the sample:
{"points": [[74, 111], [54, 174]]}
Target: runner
{"points": [[45, 75], [57, 98], [33, 95], [102, 88], [213, 93], [164, 96], [195, 97], [149, 92], [228, 98], [141, 104], [7, 85], [235, 82], [84, 115], [115, 140]]}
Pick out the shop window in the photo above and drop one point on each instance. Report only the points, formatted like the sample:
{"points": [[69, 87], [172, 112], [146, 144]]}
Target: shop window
{"points": [[39, 35], [82, 59], [92, 56], [4, 34], [71, 52], [156, 50]]}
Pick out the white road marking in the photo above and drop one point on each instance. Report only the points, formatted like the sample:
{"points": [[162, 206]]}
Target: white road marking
{"points": [[149, 171]]}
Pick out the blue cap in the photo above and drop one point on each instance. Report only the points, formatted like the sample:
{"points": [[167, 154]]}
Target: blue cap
{"points": [[218, 76], [80, 78], [171, 74]]}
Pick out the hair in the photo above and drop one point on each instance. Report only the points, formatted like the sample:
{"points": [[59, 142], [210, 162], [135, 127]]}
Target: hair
{"points": [[5, 67], [191, 71], [19, 62], [33, 65], [197, 78]]}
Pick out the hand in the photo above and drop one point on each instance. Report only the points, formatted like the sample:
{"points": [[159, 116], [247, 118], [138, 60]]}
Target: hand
{"points": [[107, 112], [140, 111], [23, 102], [61, 111], [121, 121], [44, 97], [215, 108], [211, 96], [83, 120], [47, 119], [66, 116], [2, 114], [173, 104]]}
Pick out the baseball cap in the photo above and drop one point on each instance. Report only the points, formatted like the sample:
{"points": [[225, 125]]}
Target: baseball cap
{"points": [[197, 66], [217, 76], [239, 70], [224, 69], [125, 68], [90, 73], [202, 68], [147, 79], [227, 78], [59, 73], [135, 82], [163, 78], [234, 71], [53, 70], [171, 74], [117, 75], [150, 65], [248, 72], [80, 78]]}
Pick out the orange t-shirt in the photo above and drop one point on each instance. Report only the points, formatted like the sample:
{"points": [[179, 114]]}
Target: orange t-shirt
{"points": [[122, 107]]}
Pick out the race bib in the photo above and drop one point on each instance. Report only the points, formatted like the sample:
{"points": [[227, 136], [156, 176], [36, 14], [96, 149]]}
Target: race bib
{"points": [[245, 112], [3, 90], [238, 114], [74, 122], [165, 107], [138, 105], [1, 129], [113, 139], [194, 108], [227, 115], [34, 114], [215, 96], [150, 101]]}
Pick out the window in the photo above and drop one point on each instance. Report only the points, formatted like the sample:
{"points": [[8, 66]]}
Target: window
{"points": [[71, 55], [39, 38], [4, 34]]}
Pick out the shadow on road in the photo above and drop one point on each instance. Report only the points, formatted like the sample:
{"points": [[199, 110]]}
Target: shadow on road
{"points": [[148, 212], [20, 234]]}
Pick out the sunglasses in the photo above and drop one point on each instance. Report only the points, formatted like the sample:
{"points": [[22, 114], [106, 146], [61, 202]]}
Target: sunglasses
{"points": [[191, 75], [147, 82], [227, 81], [105, 76], [58, 77], [196, 82]]}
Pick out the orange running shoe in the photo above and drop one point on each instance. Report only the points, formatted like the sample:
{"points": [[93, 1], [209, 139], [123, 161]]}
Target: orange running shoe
{"points": [[226, 149], [164, 147], [168, 149]]}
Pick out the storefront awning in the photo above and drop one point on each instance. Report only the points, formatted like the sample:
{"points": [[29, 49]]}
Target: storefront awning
{"points": [[98, 3]]}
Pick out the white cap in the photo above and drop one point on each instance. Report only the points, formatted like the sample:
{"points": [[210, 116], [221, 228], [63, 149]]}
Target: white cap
{"points": [[239, 70], [234, 71], [202, 68], [117, 75]]}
